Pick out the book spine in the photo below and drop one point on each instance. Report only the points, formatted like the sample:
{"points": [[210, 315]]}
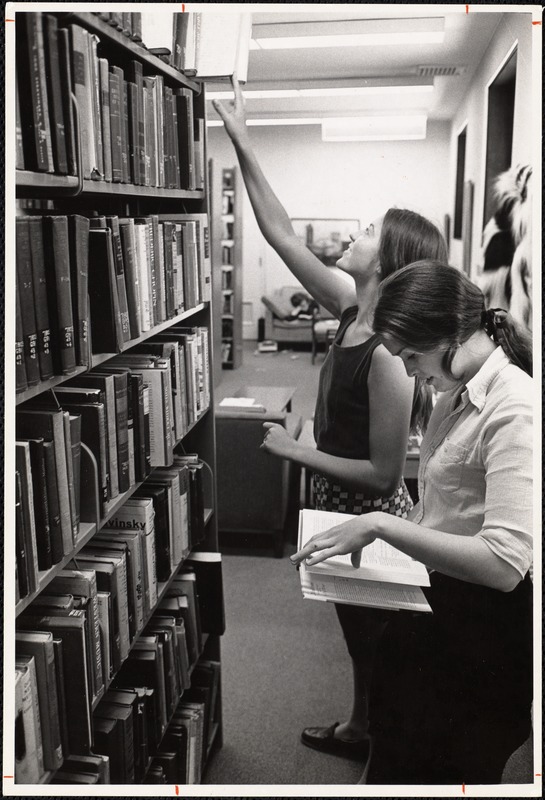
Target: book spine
{"points": [[57, 232], [96, 108], [120, 278], [132, 113], [78, 231], [41, 508], [106, 122], [58, 541], [39, 285], [66, 82], [128, 244], [26, 299], [19, 150], [54, 88], [20, 367], [70, 474], [44, 149], [115, 121]]}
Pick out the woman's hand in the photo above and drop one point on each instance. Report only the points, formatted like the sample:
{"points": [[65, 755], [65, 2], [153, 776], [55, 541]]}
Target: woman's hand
{"points": [[232, 113], [349, 537], [278, 441]]}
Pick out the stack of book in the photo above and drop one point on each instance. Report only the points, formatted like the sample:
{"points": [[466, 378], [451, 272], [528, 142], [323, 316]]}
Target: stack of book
{"points": [[145, 272], [132, 128]]}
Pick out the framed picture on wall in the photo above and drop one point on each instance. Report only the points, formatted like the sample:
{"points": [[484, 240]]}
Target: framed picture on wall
{"points": [[326, 238]]}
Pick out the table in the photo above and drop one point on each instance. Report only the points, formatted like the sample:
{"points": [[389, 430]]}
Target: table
{"points": [[273, 398]]}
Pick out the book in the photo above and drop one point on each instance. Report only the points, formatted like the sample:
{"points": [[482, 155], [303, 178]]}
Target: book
{"points": [[41, 507], [128, 246], [20, 368], [137, 514], [78, 236], [113, 224], [106, 333], [208, 571], [35, 123], [159, 498], [122, 758], [104, 80], [217, 45], [105, 620], [39, 286], [25, 291], [39, 644], [54, 94], [21, 566], [24, 470], [29, 764], [386, 578], [71, 630], [63, 43], [83, 91], [59, 292]]}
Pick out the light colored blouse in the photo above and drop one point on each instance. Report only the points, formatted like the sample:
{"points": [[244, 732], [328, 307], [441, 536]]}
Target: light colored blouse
{"points": [[475, 475]]}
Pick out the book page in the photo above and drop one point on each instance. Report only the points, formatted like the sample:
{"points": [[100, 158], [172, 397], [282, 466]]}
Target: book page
{"points": [[362, 593], [379, 560]]}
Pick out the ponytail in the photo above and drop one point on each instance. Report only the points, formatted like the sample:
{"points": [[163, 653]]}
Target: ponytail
{"points": [[514, 340], [422, 407]]}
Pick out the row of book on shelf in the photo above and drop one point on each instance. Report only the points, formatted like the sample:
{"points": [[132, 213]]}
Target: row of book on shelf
{"points": [[92, 285], [110, 683], [128, 416], [132, 129]]}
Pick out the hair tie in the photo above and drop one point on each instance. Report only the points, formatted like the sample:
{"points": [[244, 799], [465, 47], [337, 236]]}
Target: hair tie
{"points": [[493, 320]]}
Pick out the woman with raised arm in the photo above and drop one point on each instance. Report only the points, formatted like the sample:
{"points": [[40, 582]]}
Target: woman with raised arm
{"points": [[366, 405], [452, 693]]}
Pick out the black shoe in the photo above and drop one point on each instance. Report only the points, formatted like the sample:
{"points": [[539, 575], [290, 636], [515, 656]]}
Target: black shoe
{"points": [[323, 739]]}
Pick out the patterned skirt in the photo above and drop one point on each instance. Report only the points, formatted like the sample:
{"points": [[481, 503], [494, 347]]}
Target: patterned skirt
{"points": [[332, 497]]}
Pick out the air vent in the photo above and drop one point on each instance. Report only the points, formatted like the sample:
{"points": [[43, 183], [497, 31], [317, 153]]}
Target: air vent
{"points": [[439, 72]]}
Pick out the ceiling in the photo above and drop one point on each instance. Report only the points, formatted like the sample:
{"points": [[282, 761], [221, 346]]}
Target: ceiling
{"points": [[467, 36]]}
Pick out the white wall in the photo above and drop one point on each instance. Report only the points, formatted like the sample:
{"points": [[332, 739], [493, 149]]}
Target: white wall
{"points": [[514, 28], [354, 180]]}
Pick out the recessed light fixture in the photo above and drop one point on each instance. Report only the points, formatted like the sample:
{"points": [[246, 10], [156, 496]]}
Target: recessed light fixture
{"points": [[374, 128], [332, 91], [349, 33]]}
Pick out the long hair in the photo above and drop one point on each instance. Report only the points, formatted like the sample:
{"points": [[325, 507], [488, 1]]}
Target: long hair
{"points": [[430, 306], [407, 237]]}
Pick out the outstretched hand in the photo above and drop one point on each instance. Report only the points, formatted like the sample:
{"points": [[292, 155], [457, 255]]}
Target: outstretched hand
{"points": [[278, 441], [232, 112], [349, 537]]}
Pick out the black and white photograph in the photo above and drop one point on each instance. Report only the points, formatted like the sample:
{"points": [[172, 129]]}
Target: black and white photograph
{"points": [[272, 410]]}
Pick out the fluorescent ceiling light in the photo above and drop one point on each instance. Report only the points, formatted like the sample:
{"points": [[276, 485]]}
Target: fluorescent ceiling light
{"points": [[348, 40], [215, 123], [339, 91], [375, 128], [349, 33]]}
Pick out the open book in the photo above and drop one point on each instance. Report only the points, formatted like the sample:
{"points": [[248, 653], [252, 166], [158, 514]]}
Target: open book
{"points": [[386, 577]]}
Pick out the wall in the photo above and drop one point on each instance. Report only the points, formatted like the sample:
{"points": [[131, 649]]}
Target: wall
{"points": [[515, 27], [312, 178]]}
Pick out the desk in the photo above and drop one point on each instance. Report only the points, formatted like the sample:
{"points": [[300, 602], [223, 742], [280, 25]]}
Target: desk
{"points": [[273, 398]]}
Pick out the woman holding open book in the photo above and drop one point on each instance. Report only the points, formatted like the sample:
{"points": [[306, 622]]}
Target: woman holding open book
{"points": [[452, 693], [366, 404]]}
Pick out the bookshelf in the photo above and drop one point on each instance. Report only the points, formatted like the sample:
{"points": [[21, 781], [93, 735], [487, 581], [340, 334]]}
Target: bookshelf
{"points": [[154, 349], [230, 234]]}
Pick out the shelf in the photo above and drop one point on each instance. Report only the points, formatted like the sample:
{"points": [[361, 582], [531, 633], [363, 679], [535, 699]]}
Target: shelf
{"points": [[44, 180], [101, 358], [111, 35], [130, 189], [44, 386]]}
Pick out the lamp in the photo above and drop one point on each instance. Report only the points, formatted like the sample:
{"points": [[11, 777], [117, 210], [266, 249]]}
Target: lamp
{"points": [[374, 128]]}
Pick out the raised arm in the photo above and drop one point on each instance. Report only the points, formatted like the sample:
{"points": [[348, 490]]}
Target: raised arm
{"points": [[390, 402], [322, 283]]}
